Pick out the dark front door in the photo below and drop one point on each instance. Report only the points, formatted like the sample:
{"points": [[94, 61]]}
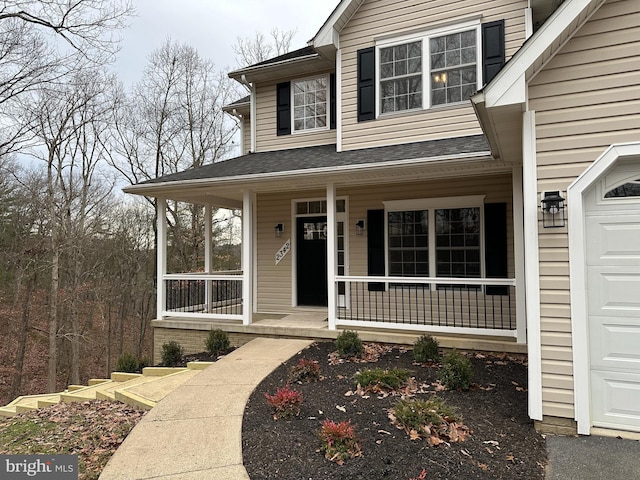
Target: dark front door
{"points": [[312, 260]]}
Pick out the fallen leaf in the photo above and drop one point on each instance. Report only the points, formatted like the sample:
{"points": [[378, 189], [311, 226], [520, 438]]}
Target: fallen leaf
{"points": [[342, 408]]}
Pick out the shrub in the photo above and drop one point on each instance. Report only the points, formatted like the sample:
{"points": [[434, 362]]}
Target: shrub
{"points": [[349, 344], [425, 349], [377, 378], [285, 403], [456, 372], [420, 415], [217, 341], [171, 353], [129, 363], [432, 419], [305, 371], [339, 441]]}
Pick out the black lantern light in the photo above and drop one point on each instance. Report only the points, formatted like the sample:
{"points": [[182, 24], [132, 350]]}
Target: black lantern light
{"points": [[359, 227], [552, 209], [279, 229]]}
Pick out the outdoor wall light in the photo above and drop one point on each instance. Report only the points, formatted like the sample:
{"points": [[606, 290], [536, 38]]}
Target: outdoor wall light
{"points": [[359, 227], [552, 209], [279, 229]]}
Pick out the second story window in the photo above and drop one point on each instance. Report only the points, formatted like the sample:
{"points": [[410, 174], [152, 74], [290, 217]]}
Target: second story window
{"points": [[453, 67], [310, 109], [401, 77]]}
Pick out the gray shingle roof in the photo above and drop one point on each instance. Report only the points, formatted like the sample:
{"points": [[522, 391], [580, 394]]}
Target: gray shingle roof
{"points": [[325, 156]]}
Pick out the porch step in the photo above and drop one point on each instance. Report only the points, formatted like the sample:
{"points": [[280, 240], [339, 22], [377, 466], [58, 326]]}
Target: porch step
{"points": [[143, 390]]}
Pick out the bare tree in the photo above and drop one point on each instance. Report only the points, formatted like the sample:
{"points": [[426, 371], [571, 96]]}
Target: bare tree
{"points": [[70, 124], [252, 50], [173, 121], [42, 41]]}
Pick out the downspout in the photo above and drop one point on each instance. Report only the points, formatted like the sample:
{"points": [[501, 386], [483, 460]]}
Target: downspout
{"points": [[240, 118], [252, 114]]}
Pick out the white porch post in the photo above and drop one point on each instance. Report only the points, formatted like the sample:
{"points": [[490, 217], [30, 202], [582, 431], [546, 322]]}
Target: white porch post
{"points": [[247, 261], [332, 261], [207, 254], [532, 266], [161, 256], [518, 247]]}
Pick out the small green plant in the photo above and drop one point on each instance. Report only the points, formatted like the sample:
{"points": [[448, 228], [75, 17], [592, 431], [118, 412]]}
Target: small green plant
{"points": [[456, 372], [425, 349], [285, 402], [305, 371], [349, 344], [217, 342], [339, 441], [378, 379], [171, 353], [129, 363], [430, 419]]}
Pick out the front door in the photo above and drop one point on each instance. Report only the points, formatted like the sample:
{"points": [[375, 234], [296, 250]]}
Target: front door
{"points": [[311, 261]]}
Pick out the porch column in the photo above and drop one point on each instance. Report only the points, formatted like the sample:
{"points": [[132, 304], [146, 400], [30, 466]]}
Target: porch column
{"points": [[247, 256], [161, 256], [207, 255], [518, 247], [332, 261]]}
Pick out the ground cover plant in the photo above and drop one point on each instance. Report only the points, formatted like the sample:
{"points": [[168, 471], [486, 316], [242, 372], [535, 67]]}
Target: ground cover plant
{"points": [[483, 432]]}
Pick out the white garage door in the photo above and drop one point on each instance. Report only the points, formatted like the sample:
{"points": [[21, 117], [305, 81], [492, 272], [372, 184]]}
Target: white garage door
{"points": [[612, 222]]}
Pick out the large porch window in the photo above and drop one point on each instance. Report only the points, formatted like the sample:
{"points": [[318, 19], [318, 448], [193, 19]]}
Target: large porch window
{"points": [[435, 241]]}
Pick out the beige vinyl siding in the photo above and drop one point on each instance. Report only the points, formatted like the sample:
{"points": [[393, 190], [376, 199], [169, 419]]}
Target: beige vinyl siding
{"points": [[266, 134], [274, 283], [586, 98], [386, 17], [246, 134]]}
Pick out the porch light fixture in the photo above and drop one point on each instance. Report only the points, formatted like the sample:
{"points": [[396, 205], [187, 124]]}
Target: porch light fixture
{"points": [[552, 209], [359, 227], [279, 229]]}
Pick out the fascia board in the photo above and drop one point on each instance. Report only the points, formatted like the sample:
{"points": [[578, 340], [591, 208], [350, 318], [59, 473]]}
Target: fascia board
{"points": [[510, 84], [328, 33]]}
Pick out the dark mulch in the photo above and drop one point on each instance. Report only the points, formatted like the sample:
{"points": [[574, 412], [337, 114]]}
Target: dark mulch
{"points": [[503, 443]]}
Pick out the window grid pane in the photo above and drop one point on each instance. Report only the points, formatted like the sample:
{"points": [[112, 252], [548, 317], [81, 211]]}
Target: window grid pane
{"points": [[408, 243], [401, 75], [458, 242], [453, 67], [310, 104]]}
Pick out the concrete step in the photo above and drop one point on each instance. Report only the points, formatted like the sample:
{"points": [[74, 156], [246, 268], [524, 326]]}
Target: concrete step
{"points": [[147, 394]]}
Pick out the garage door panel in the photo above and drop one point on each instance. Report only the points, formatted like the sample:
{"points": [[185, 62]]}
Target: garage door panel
{"points": [[614, 290], [616, 399], [615, 343], [613, 240]]}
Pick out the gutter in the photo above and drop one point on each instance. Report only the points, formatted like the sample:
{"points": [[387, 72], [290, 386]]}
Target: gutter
{"points": [[239, 74]]}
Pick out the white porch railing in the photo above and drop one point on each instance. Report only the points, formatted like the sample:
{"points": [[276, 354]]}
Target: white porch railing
{"points": [[481, 306], [203, 295]]}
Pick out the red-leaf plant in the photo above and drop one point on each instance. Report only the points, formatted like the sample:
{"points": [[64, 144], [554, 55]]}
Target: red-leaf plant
{"points": [[285, 403], [339, 441]]}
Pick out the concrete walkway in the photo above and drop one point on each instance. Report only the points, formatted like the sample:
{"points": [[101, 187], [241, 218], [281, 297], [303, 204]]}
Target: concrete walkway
{"points": [[195, 432]]}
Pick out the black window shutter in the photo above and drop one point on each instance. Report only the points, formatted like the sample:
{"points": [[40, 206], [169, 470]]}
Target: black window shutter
{"points": [[375, 247], [332, 101], [495, 245], [283, 108], [366, 84], [492, 49]]}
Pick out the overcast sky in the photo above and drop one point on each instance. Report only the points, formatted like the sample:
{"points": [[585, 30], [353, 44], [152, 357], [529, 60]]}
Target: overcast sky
{"points": [[212, 26]]}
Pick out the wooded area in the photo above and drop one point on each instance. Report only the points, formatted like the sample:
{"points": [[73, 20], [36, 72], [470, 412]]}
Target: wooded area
{"points": [[77, 257]]}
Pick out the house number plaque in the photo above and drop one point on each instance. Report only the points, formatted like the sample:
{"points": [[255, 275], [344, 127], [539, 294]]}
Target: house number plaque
{"points": [[283, 251]]}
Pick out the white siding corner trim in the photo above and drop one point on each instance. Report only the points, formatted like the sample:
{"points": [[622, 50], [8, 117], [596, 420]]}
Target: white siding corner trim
{"points": [[532, 270], [577, 269]]}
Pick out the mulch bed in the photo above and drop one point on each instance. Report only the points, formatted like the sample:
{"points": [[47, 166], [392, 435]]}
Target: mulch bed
{"points": [[503, 442]]}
